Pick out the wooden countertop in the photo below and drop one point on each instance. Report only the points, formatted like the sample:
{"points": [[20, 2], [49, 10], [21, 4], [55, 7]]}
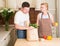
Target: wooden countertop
{"points": [[24, 42]]}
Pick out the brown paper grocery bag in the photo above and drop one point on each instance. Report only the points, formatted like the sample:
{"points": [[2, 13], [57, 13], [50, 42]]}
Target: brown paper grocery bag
{"points": [[32, 34]]}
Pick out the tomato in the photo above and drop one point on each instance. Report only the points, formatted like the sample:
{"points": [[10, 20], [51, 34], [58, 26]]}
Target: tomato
{"points": [[45, 37]]}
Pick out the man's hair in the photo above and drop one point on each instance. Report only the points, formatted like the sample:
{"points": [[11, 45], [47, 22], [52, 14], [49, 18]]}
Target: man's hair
{"points": [[25, 4]]}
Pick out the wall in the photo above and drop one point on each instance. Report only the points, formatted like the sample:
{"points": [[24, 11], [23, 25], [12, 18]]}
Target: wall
{"points": [[2, 3], [11, 4], [15, 4], [32, 2], [58, 17]]}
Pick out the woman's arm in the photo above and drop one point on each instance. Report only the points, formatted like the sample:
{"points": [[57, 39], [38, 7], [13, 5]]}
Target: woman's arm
{"points": [[52, 20], [38, 20]]}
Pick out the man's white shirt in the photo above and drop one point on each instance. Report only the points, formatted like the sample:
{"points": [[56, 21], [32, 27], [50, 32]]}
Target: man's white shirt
{"points": [[20, 18]]}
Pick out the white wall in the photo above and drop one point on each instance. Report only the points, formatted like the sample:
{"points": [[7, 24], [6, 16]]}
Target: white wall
{"points": [[38, 2], [11, 4], [51, 6], [2, 3], [58, 17], [15, 4], [32, 2]]}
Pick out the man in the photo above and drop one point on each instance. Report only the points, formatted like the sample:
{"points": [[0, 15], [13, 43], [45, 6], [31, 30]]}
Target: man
{"points": [[21, 20]]}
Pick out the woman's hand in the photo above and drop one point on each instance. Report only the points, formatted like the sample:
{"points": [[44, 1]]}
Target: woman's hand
{"points": [[55, 24]]}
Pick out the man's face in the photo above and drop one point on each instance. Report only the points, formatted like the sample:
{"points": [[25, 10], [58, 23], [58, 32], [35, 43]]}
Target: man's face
{"points": [[26, 10]]}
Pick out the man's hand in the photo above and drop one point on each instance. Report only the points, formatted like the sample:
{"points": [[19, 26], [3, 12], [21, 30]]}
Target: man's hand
{"points": [[30, 28]]}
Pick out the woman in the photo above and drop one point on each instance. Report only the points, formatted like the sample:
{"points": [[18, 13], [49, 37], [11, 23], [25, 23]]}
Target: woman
{"points": [[44, 21]]}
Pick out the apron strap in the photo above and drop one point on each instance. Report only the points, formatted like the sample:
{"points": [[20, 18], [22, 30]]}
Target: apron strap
{"points": [[48, 15]]}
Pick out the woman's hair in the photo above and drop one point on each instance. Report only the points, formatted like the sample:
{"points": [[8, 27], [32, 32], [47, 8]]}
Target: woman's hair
{"points": [[46, 4], [25, 4]]}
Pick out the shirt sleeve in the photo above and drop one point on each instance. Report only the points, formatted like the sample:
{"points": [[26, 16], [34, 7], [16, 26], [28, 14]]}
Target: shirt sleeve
{"points": [[17, 18]]}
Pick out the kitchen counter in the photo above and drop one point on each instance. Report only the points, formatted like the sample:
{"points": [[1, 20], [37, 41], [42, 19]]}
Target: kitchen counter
{"points": [[4, 35], [24, 42]]}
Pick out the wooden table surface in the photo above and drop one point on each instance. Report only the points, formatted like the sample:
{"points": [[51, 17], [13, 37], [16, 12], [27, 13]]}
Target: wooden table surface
{"points": [[24, 42]]}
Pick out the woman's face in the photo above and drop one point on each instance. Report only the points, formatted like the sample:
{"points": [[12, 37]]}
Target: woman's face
{"points": [[43, 8]]}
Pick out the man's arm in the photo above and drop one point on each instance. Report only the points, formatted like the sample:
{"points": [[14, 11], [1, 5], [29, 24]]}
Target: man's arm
{"points": [[20, 27]]}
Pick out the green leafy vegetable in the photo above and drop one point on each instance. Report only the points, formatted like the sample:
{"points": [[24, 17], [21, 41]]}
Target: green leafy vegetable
{"points": [[33, 25]]}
